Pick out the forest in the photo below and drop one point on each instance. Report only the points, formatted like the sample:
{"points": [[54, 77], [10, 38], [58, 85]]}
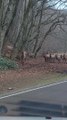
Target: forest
{"points": [[23, 23]]}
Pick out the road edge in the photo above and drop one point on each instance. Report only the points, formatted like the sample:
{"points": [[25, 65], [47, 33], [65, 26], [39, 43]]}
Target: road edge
{"points": [[30, 90]]}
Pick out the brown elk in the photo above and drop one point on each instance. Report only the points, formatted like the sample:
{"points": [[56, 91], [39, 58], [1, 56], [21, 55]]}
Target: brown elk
{"points": [[64, 58], [51, 57], [57, 58], [21, 57], [47, 57]]}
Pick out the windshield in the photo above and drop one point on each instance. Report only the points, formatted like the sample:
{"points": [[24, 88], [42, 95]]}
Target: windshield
{"points": [[33, 58]]}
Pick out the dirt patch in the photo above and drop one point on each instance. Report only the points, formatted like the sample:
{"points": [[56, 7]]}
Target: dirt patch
{"points": [[33, 72]]}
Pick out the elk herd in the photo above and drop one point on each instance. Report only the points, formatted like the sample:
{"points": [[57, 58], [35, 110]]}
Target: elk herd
{"points": [[55, 57], [48, 57], [51, 57]]}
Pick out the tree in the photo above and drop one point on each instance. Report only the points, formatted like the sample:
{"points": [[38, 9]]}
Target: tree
{"points": [[25, 24]]}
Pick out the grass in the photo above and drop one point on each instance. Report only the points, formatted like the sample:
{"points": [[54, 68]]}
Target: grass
{"points": [[45, 79], [27, 82], [52, 78], [31, 82]]}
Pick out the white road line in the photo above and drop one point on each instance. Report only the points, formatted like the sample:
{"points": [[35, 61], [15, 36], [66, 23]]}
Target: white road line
{"points": [[30, 90]]}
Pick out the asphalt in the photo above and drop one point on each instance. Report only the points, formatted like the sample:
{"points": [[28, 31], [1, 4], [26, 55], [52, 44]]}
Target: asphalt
{"points": [[44, 101]]}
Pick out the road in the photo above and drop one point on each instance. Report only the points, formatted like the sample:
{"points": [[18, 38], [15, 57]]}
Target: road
{"points": [[50, 100]]}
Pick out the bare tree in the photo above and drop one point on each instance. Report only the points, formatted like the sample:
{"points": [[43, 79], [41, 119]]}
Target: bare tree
{"points": [[7, 13], [25, 24]]}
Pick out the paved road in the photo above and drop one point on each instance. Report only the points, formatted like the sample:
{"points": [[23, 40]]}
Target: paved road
{"points": [[50, 101]]}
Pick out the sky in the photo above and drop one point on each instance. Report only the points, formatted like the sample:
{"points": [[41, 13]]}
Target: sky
{"points": [[58, 4]]}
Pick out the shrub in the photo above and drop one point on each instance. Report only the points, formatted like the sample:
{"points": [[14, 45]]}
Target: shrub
{"points": [[6, 63]]}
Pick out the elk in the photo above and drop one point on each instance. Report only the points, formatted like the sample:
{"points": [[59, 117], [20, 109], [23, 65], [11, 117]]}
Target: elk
{"points": [[22, 56], [51, 57], [57, 58], [64, 58], [47, 57]]}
